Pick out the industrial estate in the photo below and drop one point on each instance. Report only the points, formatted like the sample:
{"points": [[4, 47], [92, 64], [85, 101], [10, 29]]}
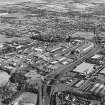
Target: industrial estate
{"points": [[52, 53]]}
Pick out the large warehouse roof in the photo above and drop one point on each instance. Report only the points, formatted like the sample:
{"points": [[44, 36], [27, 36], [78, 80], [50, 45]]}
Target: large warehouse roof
{"points": [[84, 68]]}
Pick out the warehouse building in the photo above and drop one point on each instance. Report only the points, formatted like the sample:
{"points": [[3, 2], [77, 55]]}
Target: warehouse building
{"points": [[95, 59], [97, 56], [87, 46], [84, 68]]}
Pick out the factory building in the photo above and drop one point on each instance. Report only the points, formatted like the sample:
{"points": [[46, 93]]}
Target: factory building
{"points": [[87, 46], [97, 56], [84, 68], [96, 59]]}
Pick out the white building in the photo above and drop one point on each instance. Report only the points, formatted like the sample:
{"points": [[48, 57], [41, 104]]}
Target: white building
{"points": [[84, 68]]}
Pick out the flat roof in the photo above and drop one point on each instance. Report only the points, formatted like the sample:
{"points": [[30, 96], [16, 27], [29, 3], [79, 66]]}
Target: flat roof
{"points": [[84, 68]]}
